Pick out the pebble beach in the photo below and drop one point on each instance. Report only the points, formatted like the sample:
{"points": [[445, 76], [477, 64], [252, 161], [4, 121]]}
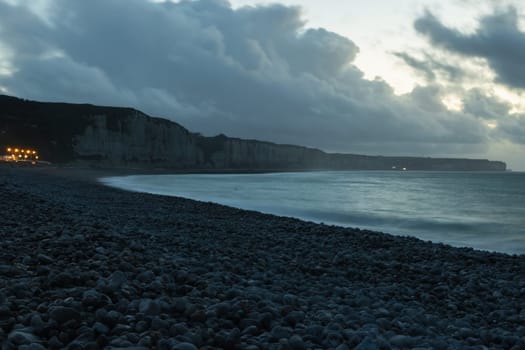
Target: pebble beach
{"points": [[84, 266]]}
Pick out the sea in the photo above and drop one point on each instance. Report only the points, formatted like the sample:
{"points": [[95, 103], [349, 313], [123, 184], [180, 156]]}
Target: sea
{"points": [[482, 210]]}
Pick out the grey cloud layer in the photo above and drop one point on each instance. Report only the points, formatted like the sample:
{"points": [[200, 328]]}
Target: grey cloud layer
{"points": [[498, 40], [254, 72], [430, 68], [483, 106]]}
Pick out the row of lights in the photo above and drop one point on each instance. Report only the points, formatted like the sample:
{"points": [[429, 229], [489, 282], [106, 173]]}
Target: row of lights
{"points": [[22, 154]]}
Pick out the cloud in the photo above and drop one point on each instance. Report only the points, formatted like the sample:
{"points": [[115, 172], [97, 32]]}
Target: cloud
{"points": [[506, 126], [252, 72], [423, 67], [498, 40], [513, 128], [479, 104], [432, 68]]}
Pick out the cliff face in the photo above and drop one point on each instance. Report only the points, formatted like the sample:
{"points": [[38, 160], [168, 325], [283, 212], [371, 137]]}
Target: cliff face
{"points": [[232, 153], [105, 136], [136, 140], [124, 137]]}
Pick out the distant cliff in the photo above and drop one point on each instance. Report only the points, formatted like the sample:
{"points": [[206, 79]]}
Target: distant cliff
{"points": [[125, 137]]}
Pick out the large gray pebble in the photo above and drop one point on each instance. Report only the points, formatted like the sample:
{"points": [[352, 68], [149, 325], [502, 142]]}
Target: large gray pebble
{"points": [[146, 276], [342, 347], [184, 346], [5, 312], [279, 332], [100, 328], [62, 314], [402, 341], [44, 259], [367, 344], [117, 280], [296, 342], [94, 298], [62, 279], [20, 337], [294, 318], [149, 307]]}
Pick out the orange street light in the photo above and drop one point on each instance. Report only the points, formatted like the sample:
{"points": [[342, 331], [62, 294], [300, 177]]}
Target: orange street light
{"points": [[9, 149]]}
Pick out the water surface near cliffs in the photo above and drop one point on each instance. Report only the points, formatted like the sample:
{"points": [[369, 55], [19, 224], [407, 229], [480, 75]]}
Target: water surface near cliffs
{"points": [[476, 209]]}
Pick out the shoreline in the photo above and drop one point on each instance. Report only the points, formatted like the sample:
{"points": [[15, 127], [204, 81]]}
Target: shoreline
{"points": [[96, 266], [437, 233], [90, 172]]}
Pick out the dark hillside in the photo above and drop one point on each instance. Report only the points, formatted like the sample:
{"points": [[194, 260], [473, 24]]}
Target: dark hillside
{"points": [[50, 127], [124, 137]]}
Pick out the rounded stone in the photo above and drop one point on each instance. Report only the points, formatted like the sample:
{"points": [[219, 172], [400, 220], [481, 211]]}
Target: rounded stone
{"points": [[62, 314], [184, 346], [149, 307], [296, 342], [402, 341], [19, 337]]}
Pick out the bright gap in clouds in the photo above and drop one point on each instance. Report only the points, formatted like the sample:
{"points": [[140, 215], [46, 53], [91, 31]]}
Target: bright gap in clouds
{"points": [[381, 27], [376, 27], [515, 98]]}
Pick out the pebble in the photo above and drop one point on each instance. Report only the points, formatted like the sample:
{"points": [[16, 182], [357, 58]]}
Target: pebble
{"points": [[367, 344], [97, 268], [296, 343], [402, 341], [94, 298], [62, 314], [100, 328], [116, 280], [149, 307], [184, 346], [18, 337]]}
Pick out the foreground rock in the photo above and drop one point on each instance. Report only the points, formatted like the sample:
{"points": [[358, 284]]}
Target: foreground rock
{"points": [[88, 267]]}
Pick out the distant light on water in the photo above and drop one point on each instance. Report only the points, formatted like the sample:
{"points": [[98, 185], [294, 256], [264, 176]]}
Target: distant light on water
{"points": [[480, 210]]}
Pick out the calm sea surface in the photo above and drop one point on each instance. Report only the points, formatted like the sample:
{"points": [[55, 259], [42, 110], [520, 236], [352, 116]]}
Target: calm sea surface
{"points": [[480, 210]]}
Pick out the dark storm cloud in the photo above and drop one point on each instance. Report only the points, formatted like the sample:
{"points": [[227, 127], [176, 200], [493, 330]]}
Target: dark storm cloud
{"points": [[19, 28], [498, 39], [422, 66], [253, 72]]}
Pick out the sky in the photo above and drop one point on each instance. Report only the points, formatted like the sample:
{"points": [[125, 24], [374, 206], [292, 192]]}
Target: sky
{"points": [[412, 77]]}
